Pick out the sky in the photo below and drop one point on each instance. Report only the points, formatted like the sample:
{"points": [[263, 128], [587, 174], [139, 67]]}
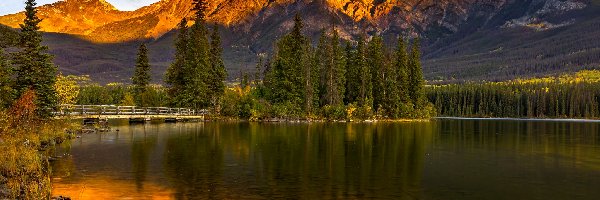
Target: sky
{"points": [[15, 6]]}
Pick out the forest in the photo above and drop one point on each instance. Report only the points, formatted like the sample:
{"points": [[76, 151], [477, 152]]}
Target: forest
{"points": [[567, 96]]}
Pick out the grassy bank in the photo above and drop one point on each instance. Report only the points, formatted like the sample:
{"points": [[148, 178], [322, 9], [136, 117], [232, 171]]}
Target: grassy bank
{"points": [[24, 169]]}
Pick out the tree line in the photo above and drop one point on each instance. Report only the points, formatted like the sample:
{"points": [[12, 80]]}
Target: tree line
{"points": [[560, 97], [335, 80]]}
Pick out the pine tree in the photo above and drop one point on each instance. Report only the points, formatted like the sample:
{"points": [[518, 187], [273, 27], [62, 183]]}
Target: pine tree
{"points": [[333, 69], [402, 71], [416, 81], [376, 61], [196, 91], [175, 76], [141, 77], [6, 83], [288, 80], [338, 72], [365, 96], [218, 73], [34, 66], [352, 75], [323, 60]]}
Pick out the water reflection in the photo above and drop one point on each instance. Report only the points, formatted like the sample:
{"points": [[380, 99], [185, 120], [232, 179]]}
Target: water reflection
{"points": [[447, 159]]}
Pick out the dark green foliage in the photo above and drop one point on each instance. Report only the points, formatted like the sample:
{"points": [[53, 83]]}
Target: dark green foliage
{"points": [[175, 76], [34, 66], [518, 100], [352, 75], [331, 62], [6, 87], [141, 76], [415, 74], [401, 66], [288, 80], [365, 89], [379, 71], [218, 73]]}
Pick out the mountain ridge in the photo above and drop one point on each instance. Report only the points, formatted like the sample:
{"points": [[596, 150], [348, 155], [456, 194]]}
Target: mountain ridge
{"points": [[453, 30]]}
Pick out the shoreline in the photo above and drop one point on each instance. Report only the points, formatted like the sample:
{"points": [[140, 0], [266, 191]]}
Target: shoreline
{"points": [[522, 119]]}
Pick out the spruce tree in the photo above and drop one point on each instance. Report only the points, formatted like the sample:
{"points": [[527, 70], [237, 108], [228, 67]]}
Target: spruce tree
{"points": [[175, 76], [196, 91], [365, 96], [34, 66], [218, 73], [376, 61], [402, 71], [289, 79], [323, 60], [352, 75], [6, 83], [333, 69], [416, 81], [338, 72], [141, 76]]}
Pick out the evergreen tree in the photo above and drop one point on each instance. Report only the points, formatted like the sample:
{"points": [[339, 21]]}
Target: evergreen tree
{"points": [[175, 76], [288, 81], [352, 75], [34, 66], [365, 90], [323, 61], [416, 80], [6, 83], [218, 73], [333, 69], [141, 77], [338, 77], [402, 71], [196, 91], [376, 61]]}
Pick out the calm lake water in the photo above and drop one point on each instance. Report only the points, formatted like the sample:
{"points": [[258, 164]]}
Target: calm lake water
{"points": [[442, 159]]}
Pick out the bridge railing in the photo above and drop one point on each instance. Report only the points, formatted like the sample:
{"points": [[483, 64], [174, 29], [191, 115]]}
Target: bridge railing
{"points": [[77, 110]]}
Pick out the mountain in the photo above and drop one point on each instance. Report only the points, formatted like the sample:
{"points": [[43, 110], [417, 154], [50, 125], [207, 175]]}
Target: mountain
{"points": [[464, 39]]}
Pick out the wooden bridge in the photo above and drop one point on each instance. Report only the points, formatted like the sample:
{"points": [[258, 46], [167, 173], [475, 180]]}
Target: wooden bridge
{"points": [[128, 112]]}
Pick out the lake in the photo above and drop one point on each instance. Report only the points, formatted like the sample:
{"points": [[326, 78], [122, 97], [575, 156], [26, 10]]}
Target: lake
{"points": [[441, 159]]}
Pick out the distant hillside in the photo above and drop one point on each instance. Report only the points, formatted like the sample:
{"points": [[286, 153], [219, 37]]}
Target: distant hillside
{"points": [[463, 39]]}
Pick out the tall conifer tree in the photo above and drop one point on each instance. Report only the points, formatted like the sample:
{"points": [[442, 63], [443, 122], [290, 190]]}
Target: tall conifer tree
{"points": [[289, 79], [35, 69], [141, 77], [175, 76], [365, 89], [218, 72], [416, 81], [333, 69], [352, 75], [376, 61], [401, 66], [196, 91]]}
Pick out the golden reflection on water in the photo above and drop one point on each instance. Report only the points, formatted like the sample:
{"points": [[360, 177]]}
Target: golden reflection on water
{"points": [[104, 187]]}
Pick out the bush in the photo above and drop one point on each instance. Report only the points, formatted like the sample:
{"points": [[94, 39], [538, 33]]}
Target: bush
{"points": [[24, 173], [334, 112]]}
